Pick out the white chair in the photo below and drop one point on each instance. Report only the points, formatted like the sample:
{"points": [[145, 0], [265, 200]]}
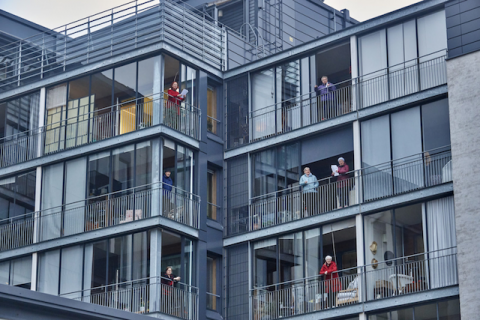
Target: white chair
{"points": [[401, 279]]}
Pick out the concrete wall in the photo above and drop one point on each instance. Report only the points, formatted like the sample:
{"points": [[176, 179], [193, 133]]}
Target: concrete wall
{"points": [[463, 84]]}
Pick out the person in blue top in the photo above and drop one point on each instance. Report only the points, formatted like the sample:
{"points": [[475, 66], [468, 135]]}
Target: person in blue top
{"points": [[167, 191], [325, 99], [309, 184]]}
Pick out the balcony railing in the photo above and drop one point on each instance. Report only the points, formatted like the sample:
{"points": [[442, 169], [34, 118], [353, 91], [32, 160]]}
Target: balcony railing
{"points": [[99, 125], [371, 183], [100, 212], [368, 90], [392, 278], [144, 296], [134, 25]]}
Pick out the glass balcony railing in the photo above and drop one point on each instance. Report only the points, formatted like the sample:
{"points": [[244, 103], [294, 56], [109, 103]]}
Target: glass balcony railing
{"points": [[120, 30], [349, 96], [144, 296], [392, 278], [99, 212], [100, 125], [368, 184]]}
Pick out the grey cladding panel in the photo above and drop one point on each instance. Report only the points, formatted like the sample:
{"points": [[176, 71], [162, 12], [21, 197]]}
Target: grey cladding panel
{"points": [[463, 27], [237, 282]]}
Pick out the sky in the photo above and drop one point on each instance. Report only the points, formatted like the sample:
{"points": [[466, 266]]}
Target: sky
{"points": [[55, 13]]}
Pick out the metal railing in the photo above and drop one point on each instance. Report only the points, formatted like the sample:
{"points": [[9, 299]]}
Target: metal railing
{"points": [[412, 274], [119, 30], [100, 212], [144, 296], [371, 183], [349, 96], [102, 124]]}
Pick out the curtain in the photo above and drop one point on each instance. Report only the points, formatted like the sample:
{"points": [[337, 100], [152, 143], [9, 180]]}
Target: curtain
{"points": [[88, 267], [442, 242], [75, 181], [21, 272], [50, 223], [71, 272], [48, 272]]}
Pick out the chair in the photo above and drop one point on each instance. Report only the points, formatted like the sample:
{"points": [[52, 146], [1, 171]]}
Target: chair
{"points": [[402, 279], [349, 295]]}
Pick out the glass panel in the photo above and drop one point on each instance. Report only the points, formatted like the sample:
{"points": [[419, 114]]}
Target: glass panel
{"points": [[95, 267], [313, 258], [120, 259], [98, 189], [410, 226], [169, 177], [125, 94], [263, 104], [288, 93], [212, 109], [449, 310], [52, 191], [373, 64], [436, 126], [377, 176], [141, 248], [181, 174], [288, 162], [189, 168], [189, 76], [75, 184], [78, 112], [237, 112], [123, 169], [265, 264], [21, 273], [211, 283], [406, 150], [426, 312], [56, 115], [101, 100], [291, 257], [48, 272], [188, 257], [71, 271], [148, 85], [379, 247], [339, 242], [264, 172], [211, 195], [5, 272], [143, 158]]}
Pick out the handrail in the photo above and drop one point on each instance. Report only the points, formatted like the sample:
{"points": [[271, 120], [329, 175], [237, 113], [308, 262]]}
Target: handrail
{"points": [[354, 268], [356, 80], [360, 170]]}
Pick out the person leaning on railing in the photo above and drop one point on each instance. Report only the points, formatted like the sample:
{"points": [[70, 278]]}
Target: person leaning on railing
{"points": [[172, 105], [168, 283], [309, 184], [325, 97], [331, 283], [342, 183]]}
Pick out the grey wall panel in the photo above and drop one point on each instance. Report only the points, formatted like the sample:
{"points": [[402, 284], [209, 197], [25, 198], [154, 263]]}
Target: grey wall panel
{"points": [[237, 282], [463, 26]]}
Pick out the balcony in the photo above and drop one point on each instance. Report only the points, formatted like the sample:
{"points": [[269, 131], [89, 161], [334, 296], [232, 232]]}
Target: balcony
{"points": [[110, 33], [361, 186], [99, 125], [100, 212], [350, 96], [144, 296], [392, 278]]}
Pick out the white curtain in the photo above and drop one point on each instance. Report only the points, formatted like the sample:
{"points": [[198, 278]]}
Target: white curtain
{"points": [[75, 181], [442, 242], [57, 96], [48, 272], [50, 223], [71, 272], [21, 271], [263, 104], [88, 267]]}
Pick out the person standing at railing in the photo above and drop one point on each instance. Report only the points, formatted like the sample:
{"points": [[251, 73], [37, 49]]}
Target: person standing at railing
{"points": [[167, 193], [309, 184], [342, 183], [172, 109], [168, 301], [331, 282], [325, 99]]}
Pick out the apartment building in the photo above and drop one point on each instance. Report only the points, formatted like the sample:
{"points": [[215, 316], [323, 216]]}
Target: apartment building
{"points": [[123, 196]]}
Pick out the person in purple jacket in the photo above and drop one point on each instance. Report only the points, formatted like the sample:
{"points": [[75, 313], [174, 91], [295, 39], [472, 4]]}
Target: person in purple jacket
{"points": [[325, 99]]}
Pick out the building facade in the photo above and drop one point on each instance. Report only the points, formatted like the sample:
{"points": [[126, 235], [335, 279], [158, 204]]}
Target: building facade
{"points": [[153, 161]]}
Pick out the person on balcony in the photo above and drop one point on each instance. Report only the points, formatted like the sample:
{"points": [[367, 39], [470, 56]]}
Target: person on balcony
{"points": [[173, 118], [343, 187], [167, 193], [325, 99], [331, 281], [168, 282], [309, 184]]}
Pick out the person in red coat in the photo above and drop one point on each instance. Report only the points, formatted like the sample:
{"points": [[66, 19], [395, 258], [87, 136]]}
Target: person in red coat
{"points": [[332, 284], [173, 103], [343, 187]]}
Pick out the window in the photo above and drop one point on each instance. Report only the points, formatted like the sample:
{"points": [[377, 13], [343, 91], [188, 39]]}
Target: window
{"points": [[212, 115], [213, 209], [213, 285], [443, 310], [237, 112], [17, 272], [17, 195]]}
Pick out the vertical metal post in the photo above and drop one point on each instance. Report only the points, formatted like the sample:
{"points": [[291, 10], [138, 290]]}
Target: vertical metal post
{"points": [[43, 55], [19, 63], [136, 23], [88, 39], [65, 49], [111, 33]]}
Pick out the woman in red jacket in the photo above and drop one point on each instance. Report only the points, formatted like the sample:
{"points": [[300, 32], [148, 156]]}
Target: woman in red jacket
{"points": [[173, 104], [332, 284], [342, 183]]}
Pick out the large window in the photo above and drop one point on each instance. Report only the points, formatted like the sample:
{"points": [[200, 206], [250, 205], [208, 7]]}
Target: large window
{"points": [[178, 253], [237, 112], [418, 145], [213, 198], [213, 282], [299, 255], [17, 272], [17, 195], [443, 310]]}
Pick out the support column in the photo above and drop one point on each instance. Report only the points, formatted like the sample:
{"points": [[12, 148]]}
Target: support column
{"points": [[155, 269], [158, 76], [38, 187], [354, 70]]}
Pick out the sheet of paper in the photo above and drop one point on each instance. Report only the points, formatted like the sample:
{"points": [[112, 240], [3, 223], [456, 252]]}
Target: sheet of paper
{"points": [[334, 169], [184, 92]]}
